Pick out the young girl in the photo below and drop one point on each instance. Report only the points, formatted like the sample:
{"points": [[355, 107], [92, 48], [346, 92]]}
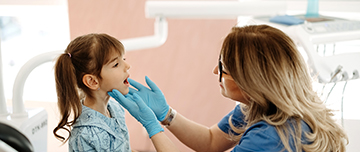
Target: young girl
{"points": [[91, 66], [260, 68]]}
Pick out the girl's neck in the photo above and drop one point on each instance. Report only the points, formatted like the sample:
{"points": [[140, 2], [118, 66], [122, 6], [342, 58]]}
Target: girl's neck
{"points": [[98, 104]]}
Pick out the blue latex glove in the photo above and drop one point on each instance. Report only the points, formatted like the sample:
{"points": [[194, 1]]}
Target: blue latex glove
{"points": [[137, 108], [153, 97]]}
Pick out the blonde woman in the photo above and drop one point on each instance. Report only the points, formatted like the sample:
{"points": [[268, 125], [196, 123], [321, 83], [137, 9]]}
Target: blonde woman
{"points": [[259, 67]]}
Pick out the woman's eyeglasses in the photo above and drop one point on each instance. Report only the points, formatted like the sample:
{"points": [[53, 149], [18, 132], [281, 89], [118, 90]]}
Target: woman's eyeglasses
{"points": [[220, 70]]}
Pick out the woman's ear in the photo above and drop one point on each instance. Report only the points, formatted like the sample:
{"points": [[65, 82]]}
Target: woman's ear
{"points": [[91, 81]]}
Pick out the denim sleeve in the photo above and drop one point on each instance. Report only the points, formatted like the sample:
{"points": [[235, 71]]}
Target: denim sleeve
{"points": [[90, 139], [237, 120], [82, 144]]}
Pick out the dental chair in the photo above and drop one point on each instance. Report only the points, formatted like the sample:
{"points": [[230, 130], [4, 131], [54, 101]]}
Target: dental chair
{"points": [[9, 136]]}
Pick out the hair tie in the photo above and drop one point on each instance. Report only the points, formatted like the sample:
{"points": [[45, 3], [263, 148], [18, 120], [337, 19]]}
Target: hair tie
{"points": [[69, 55]]}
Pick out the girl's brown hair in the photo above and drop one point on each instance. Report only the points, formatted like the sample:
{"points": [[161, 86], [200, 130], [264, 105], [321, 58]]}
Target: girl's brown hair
{"points": [[84, 55], [265, 63]]}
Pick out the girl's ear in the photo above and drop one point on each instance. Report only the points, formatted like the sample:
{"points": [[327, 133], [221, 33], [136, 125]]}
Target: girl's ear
{"points": [[91, 81]]}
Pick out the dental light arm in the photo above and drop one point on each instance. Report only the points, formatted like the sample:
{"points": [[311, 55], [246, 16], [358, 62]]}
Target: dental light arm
{"points": [[158, 39], [18, 89]]}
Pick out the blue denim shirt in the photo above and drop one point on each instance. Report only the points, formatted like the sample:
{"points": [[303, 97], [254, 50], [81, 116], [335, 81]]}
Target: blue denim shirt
{"points": [[93, 131]]}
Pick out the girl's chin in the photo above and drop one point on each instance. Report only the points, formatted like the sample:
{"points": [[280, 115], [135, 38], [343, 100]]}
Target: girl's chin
{"points": [[125, 91]]}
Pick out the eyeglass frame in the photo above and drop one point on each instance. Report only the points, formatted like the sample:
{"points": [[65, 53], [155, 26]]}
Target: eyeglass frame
{"points": [[220, 69]]}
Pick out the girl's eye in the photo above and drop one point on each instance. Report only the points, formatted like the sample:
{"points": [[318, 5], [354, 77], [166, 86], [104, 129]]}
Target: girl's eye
{"points": [[116, 64], [224, 72], [124, 59]]}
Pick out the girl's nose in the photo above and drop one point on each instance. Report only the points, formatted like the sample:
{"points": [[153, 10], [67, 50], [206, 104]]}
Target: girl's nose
{"points": [[127, 66]]}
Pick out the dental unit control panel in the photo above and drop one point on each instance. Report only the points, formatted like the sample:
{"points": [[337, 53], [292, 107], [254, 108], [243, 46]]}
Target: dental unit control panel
{"points": [[330, 26]]}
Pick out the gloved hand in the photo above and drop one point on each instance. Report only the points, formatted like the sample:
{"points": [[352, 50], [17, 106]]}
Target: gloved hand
{"points": [[137, 108], [153, 97]]}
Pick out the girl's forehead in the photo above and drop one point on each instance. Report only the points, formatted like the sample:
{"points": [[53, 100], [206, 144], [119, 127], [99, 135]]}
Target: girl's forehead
{"points": [[113, 54], [116, 52]]}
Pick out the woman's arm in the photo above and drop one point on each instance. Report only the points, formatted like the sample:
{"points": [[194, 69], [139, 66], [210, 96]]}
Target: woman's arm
{"points": [[162, 143], [198, 137]]}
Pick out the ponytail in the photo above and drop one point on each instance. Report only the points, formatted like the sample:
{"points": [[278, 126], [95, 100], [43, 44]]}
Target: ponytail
{"points": [[67, 92]]}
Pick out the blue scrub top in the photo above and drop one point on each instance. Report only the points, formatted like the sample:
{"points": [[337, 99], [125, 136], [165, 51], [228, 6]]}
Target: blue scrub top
{"points": [[259, 137]]}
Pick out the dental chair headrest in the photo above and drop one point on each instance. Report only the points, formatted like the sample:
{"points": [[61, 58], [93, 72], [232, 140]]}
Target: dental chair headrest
{"points": [[15, 138]]}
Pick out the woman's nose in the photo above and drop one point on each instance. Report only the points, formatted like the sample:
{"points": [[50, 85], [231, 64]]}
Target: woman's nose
{"points": [[216, 70]]}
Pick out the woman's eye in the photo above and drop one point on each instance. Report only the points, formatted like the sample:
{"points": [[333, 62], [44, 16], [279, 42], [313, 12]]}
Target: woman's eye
{"points": [[116, 64], [124, 59], [224, 72]]}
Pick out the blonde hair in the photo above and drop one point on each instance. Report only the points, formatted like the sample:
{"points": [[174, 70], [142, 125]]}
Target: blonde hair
{"points": [[265, 64], [84, 55]]}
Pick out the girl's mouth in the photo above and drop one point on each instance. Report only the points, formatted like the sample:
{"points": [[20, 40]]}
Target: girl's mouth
{"points": [[126, 82]]}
